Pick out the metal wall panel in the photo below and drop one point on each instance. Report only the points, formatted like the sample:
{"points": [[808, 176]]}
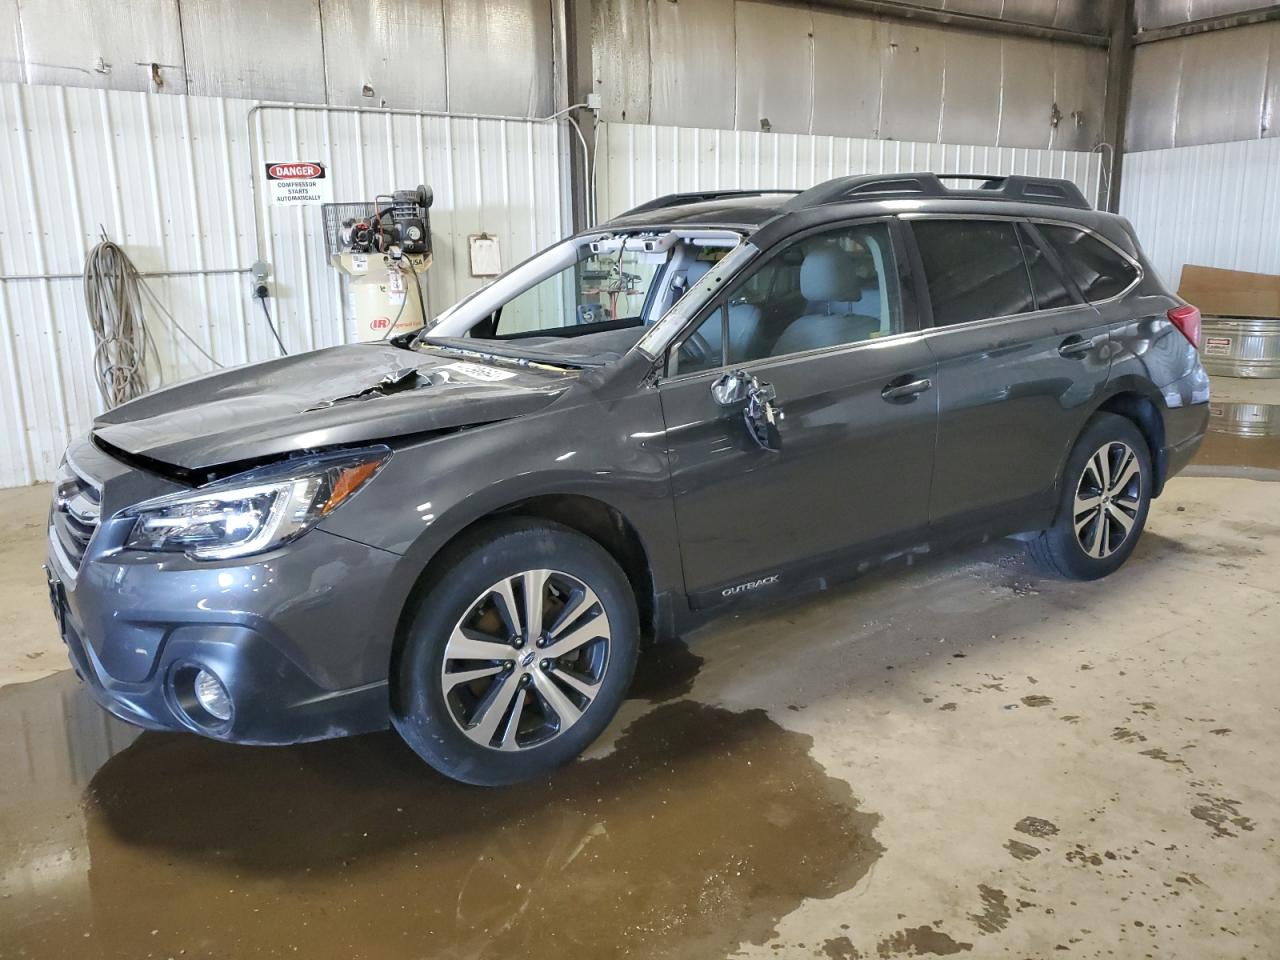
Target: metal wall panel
{"points": [[1079, 86], [1026, 93], [1224, 75], [911, 81], [1206, 88], [111, 46], [1224, 220], [638, 163], [1086, 16], [169, 179], [1153, 96], [732, 63], [12, 67], [494, 57], [499, 56], [774, 67], [846, 74], [387, 53], [1152, 14], [620, 56], [692, 78], [272, 51], [971, 86]]}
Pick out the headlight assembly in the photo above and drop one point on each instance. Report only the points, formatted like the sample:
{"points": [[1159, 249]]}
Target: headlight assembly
{"points": [[254, 511]]}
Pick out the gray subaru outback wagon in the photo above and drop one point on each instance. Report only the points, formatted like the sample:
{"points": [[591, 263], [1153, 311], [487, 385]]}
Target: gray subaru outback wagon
{"points": [[713, 400]]}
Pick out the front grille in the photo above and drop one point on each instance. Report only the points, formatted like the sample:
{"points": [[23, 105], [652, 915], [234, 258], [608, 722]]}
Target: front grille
{"points": [[77, 506]]}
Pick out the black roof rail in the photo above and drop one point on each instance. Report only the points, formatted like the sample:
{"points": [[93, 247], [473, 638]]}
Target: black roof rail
{"points": [[1014, 187], [680, 199]]}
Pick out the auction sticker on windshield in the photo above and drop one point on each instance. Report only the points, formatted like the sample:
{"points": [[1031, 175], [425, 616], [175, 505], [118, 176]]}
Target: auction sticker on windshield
{"points": [[478, 372]]}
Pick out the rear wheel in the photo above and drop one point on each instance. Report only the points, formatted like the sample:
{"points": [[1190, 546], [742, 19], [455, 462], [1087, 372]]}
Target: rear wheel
{"points": [[1105, 496], [518, 657]]}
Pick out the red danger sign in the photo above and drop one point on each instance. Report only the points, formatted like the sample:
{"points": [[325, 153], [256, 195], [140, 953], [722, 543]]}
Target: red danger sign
{"points": [[292, 182], [294, 171]]}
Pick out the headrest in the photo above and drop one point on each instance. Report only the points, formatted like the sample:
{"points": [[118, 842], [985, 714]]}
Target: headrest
{"points": [[828, 273], [696, 271]]}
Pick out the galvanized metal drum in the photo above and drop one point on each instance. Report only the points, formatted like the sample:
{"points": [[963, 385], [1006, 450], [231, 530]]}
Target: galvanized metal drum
{"points": [[1241, 347], [1245, 419]]}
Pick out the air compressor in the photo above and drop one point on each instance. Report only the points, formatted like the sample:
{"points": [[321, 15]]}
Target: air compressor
{"points": [[384, 246]]}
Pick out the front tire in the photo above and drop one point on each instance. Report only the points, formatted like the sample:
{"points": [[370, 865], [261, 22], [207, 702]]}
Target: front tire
{"points": [[1103, 502], [518, 656]]}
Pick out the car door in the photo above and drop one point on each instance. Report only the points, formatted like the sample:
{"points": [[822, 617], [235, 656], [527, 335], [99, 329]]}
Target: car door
{"points": [[826, 321], [1021, 359]]}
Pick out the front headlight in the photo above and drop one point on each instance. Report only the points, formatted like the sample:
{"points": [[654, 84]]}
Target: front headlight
{"points": [[252, 512]]}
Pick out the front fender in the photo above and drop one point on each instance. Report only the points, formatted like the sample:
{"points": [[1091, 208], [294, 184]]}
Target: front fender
{"points": [[430, 491]]}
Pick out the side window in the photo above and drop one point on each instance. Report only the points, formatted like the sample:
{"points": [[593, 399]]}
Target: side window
{"points": [[832, 288], [974, 269], [1098, 270], [1051, 288], [701, 350]]}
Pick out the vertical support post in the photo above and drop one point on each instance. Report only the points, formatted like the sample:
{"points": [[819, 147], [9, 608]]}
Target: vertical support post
{"points": [[1121, 27], [574, 83]]}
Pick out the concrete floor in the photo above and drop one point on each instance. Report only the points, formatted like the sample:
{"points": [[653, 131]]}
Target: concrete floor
{"points": [[957, 757]]}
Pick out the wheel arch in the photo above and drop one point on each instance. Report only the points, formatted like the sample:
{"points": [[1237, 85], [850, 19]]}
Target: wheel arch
{"points": [[595, 519], [1141, 409]]}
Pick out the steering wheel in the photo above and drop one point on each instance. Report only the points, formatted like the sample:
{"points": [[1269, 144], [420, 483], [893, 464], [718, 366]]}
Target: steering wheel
{"points": [[698, 351]]}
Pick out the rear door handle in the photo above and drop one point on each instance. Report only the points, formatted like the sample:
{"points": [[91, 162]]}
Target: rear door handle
{"points": [[906, 391], [1079, 346]]}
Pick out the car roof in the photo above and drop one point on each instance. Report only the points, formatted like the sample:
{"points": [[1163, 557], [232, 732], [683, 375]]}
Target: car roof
{"points": [[734, 210], [749, 210]]}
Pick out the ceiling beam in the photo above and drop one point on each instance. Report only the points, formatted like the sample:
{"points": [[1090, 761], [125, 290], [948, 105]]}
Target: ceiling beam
{"points": [[1226, 21], [892, 10]]}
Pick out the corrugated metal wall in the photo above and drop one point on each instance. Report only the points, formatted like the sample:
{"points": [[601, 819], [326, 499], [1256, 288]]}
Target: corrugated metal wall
{"points": [[753, 65], [169, 178], [638, 163], [467, 56], [1216, 205]]}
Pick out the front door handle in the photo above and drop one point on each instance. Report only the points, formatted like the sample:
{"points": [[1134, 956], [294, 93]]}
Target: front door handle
{"points": [[902, 392], [1079, 346]]}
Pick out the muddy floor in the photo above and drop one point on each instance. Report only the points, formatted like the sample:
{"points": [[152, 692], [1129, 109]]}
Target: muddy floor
{"points": [[956, 757]]}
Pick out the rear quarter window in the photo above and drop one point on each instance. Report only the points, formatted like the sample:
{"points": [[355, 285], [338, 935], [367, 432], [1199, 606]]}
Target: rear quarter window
{"points": [[1098, 270]]}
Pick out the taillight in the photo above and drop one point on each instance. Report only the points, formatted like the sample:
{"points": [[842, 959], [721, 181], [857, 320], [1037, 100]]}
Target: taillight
{"points": [[1187, 319]]}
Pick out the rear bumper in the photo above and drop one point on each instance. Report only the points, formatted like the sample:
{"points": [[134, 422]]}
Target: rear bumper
{"points": [[1184, 430]]}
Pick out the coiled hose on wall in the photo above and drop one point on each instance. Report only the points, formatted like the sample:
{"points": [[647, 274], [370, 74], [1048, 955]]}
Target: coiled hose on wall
{"points": [[113, 299]]}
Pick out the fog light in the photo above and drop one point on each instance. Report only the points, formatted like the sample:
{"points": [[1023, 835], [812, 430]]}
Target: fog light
{"points": [[212, 695]]}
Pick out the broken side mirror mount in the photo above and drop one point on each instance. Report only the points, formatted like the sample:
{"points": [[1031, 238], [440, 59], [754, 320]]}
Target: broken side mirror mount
{"points": [[762, 414], [730, 389]]}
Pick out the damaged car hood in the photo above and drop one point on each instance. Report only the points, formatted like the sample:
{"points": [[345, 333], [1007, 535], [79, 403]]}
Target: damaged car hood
{"points": [[341, 395]]}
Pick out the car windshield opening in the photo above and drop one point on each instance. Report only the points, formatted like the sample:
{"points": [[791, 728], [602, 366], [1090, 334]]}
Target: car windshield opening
{"points": [[590, 304]]}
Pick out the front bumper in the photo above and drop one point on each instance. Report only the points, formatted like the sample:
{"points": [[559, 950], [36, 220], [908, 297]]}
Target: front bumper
{"points": [[301, 637]]}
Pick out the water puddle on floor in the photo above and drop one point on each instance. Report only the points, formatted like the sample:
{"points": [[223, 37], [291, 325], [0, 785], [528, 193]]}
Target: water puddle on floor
{"points": [[1243, 440], [694, 835]]}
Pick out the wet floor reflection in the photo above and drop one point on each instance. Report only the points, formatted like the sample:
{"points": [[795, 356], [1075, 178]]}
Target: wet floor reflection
{"points": [[695, 834], [1243, 438]]}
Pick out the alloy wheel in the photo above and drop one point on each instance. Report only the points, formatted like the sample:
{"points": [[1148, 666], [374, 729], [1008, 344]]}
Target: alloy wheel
{"points": [[526, 660], [1108, 499]]}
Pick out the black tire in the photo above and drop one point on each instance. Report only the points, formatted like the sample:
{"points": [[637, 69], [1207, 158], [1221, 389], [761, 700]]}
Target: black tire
{"points": [[1059, 548], [433, 723]]}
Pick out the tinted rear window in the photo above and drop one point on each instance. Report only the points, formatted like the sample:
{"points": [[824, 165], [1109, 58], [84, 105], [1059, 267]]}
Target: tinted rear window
{"points": [[974, 269], [1099, 271], [1050, 287]]}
